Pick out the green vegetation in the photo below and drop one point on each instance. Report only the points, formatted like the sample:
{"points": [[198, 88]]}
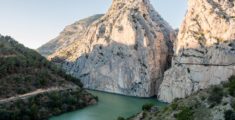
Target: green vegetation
{"points": [[185, 114], [174, 106], [203, 105], [43, 106], [233, 104], [147, 106], [229, 115], [216, 95], [231, 86], [23, 70], [120, 118]]}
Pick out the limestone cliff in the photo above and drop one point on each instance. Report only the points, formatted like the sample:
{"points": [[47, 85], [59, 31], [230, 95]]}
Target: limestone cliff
{"points": [[126, 51], [204, 50], [67, 36]]}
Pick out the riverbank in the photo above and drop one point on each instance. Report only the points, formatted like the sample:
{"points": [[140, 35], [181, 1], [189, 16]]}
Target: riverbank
{"points": [[109, 107], [43, 105]]}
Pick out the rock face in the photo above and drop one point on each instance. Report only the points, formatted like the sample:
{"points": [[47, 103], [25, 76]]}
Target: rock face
{"points": [[67, 36], [125, 52], [204, 51]]}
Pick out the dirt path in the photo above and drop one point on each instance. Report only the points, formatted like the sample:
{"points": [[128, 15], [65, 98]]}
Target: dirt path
{"points": [[34, 93], [7, 56]]}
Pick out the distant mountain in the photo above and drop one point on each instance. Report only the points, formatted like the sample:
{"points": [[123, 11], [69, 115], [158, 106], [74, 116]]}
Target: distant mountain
{"points": [[126, 51], [33, 88], [70, 34]]}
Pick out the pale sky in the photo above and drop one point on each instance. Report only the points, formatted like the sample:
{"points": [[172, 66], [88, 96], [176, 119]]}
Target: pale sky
{"points": [[35, 22]]}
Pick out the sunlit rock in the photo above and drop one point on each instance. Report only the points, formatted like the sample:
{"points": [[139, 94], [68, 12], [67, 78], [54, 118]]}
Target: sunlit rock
{"points": [[204, 50], [126, 51]]}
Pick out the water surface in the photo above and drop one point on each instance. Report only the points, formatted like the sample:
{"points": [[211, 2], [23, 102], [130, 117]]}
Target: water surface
{"points": [[109, 107]]}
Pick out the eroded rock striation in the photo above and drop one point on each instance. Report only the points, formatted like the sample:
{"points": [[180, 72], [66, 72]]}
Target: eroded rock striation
{"points": [[68, 35], [204, 50], [126, 51]]}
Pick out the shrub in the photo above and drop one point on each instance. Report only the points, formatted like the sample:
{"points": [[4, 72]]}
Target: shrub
{"points": [[216, 95], [185, 114], [34, 111], [120, 118], [71, 100], [4, 114], [174, 106], [231, 86], [202, 97], [165, 109], [229, 115], [233, 104], [56, 98], [136, 46], [144, 114], [96, 98], [147, 106]]}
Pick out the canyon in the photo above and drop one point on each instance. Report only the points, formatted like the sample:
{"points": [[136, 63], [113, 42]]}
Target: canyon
{"points": [[126, 51], [204, 50], [129, 56], [132, 51]]}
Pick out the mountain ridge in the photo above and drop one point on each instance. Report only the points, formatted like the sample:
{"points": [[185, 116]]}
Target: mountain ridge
{"points": [[68, 35], [126, 51]]}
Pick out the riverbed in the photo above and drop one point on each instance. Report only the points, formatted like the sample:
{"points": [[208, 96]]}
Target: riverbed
{"points": [[109, 107]]}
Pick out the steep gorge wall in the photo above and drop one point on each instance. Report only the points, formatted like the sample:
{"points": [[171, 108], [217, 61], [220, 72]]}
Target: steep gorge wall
{"points": [[204, 50], [126, 51]]}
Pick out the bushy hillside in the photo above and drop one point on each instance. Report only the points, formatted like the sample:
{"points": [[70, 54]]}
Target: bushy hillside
{"points": [[23, 70], [32, 88], [214, 103]]}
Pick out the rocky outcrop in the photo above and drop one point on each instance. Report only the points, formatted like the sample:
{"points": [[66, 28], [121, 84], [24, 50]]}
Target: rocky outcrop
{"points": [[125, 52], [67, 36], [204, 51], [214, 103]]}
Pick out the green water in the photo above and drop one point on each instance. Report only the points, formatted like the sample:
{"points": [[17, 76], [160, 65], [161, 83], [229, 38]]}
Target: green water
{"points": [[109, 107]]}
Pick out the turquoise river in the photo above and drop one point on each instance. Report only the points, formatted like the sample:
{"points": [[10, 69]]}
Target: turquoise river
{"points": [[109, 107]]}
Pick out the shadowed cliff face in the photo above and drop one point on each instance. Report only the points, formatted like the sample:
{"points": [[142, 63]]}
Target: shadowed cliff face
{"points": [[204, 51], [126, 51], [114, 68]]}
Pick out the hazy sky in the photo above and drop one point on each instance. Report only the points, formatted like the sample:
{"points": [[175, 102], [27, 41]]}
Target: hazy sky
{"points": [[34, 22]]}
